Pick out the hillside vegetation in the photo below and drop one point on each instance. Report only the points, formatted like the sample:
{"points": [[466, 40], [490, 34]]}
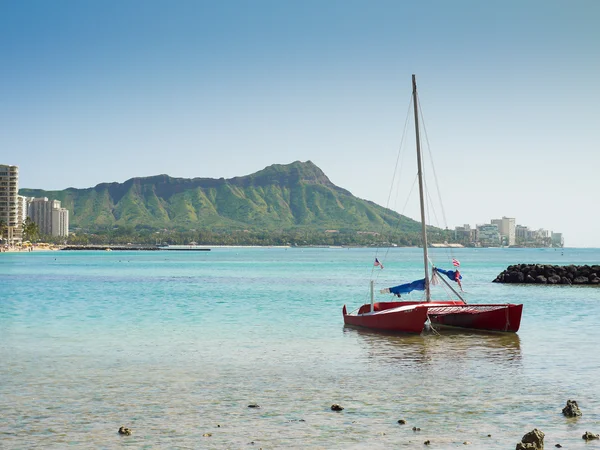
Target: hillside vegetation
{"points": [[296, 196]]}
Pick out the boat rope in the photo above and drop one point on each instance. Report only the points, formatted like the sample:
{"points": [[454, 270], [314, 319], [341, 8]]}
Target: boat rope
{"points": [[437, 185], [449, 250], [383, 259], [396, 174], [431, 327], [507, 326], [398, 166]]}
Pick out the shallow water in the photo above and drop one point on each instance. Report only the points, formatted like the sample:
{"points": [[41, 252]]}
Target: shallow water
{"points": [[176, 345]]}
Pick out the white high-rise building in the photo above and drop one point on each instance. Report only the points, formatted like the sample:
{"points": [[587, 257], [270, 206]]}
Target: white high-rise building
{"points": [[9, 207], [49, 216], [507, 229], [557, 240], [22, 209], [60, 222]]}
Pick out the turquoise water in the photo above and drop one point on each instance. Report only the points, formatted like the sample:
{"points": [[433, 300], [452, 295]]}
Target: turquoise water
{"points": [[176, 345]]}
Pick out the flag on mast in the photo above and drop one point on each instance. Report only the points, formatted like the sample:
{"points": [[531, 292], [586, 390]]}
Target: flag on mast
{"points": [[457, 277], [377, 263]]}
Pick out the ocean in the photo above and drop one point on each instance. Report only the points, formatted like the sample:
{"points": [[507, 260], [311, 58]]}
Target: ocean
{"points": [[177, 345]]}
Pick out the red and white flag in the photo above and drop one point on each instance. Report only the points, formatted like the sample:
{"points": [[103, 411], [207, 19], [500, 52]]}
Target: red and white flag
{"points": [[377, 263], [457, 277], [455, 262]]}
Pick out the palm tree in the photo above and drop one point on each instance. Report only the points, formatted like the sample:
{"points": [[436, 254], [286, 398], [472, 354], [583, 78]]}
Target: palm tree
{"points": [[2, 228], [31, 231]]}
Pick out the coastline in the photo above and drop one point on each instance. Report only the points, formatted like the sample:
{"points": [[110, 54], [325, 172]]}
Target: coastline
{"points": [[29, 249]]}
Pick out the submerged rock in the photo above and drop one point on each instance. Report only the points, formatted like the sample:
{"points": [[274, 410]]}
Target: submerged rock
{"points": [[402, 422], [253, 405], [125, 431], [336, 407], [590, 436], [571, 410], [534, 440]]}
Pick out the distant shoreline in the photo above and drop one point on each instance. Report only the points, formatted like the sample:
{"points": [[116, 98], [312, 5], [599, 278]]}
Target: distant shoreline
{"points": [[208, 247]]}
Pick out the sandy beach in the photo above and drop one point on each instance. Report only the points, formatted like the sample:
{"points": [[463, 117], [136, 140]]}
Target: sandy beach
{"points": [[29, 249]]}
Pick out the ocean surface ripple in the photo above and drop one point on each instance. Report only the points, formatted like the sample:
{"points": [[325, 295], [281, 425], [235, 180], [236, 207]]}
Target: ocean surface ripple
{"points": [[176, 345]]}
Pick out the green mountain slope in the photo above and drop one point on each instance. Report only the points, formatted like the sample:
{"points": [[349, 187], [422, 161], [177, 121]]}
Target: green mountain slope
{"points": [[279, 197]]}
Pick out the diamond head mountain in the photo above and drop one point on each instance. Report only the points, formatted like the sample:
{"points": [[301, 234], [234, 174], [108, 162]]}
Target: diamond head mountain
{"points": [[278, 198]]}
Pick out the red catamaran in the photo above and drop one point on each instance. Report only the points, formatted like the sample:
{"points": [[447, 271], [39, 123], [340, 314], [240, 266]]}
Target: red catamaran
{"points": [[411, 316]]}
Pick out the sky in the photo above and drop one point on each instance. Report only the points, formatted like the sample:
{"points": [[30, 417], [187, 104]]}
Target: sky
{"points": [[103, 91]]}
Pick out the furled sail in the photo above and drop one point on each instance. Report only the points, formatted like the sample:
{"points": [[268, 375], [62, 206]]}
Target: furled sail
{"points": [[451, 274], [417, 285]]}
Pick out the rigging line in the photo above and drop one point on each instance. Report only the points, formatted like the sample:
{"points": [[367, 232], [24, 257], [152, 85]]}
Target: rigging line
{"points": [[397, 169], [402, 213], [409, 194], [412, 188], [447, 250], [432, 207], [401, 147], [437, 185], [403, 150]]}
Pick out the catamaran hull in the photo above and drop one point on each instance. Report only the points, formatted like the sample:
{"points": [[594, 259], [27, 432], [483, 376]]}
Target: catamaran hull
{"points": [[398, 317], [506, 318], [410, 320], [410, 317]]}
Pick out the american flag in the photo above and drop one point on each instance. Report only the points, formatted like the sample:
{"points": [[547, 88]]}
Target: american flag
{"points": [[455, 262], [377, 263]]}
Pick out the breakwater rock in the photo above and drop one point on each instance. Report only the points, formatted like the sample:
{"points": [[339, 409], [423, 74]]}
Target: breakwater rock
{"points": [[549, 274]]}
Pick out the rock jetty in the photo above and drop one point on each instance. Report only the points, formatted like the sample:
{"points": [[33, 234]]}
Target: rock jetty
{"points": [[549, 274]]}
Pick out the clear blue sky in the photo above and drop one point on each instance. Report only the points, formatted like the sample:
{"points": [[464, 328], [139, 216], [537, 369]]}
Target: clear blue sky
{"points": [[101, 91]]}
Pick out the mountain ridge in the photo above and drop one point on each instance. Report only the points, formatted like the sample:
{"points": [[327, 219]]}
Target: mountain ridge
{"points": [[278, 197]]}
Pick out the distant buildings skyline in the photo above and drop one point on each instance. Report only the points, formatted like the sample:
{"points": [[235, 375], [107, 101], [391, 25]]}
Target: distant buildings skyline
{"points": [[505, 232]]}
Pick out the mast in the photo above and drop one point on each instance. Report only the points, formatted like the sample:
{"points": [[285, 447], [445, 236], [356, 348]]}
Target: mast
{"points": [[421, 197]]}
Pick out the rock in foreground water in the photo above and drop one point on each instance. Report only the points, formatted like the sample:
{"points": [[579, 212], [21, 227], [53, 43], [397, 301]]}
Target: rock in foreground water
{"points": [[534, 440], [590, 436], [125, 431], [571, 410]]}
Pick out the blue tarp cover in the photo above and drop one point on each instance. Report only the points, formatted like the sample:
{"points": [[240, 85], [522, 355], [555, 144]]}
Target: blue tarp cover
{"points": [[417, 285]]}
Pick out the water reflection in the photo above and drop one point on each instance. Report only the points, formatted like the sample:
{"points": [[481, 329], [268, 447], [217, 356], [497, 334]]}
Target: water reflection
{"points": [[438, 345]]}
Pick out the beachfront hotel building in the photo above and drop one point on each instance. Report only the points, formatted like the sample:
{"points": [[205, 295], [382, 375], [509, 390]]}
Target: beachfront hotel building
{"points": [[60, 222], [48, 215], [9, 206], [488, 235], [507, 229]]}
